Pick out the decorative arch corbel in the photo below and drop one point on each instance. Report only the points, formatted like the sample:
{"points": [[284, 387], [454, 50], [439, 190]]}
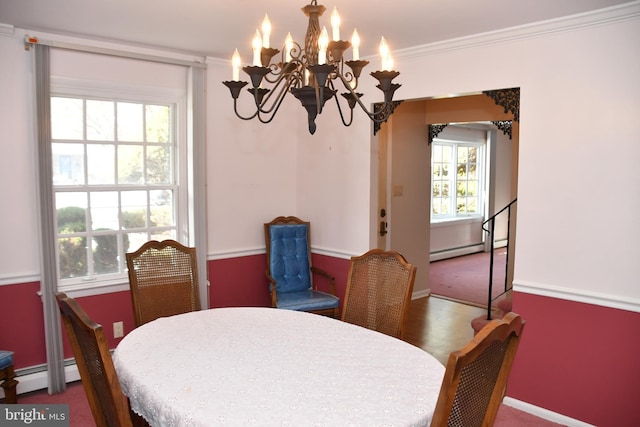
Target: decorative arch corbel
{"points": [[509, 99], [377, 107], [434, 131], [505, 126]]}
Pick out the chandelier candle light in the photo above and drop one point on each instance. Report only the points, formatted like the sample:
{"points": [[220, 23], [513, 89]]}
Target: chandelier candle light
{"points": [[311, 73]]}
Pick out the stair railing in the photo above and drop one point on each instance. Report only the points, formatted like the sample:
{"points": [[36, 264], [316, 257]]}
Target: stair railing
{"points": [[492, 225]]}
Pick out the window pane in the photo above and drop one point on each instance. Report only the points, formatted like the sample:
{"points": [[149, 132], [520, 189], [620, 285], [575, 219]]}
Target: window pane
{"points": [[161, 207], [130, 123], [472, 155], [444, 208], [72, 257], [163, 235], [462, 188], [133, 241], [71, 218], [472, 205], [100, 120], [71, 212], [67, 118], [437, 189], [472, 171], [462, 205], [158, 168], [462, 171], [104, 210], [445, 189], [130, 169], [134, 209], [68, 164], [435, 206], [472, 188], [158, 119], [463, 153], [436, 153], [101, 164], [105, 254]]}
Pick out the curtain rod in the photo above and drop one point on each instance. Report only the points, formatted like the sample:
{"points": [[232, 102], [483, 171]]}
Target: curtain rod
{"points": [[28, 41]]}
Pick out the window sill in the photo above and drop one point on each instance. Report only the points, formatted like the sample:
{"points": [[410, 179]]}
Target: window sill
{"points": [[456, 221], [82, 290]]}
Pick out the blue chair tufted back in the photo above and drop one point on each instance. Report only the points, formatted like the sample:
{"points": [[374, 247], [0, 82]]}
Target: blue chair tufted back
{"points": [[289, 262]]}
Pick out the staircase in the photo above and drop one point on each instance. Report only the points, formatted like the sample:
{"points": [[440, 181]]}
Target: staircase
{"points": [[501, 307], [498, 307]]}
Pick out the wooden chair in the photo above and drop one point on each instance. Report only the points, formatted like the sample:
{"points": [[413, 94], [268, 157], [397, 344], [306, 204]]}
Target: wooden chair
{"points": [[163, 277], [7, 376], [109, 406], [290, 271], [476, 376], [378, 293]]}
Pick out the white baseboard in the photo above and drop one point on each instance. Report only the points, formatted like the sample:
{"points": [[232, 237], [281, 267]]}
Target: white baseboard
{"points": [[421, 294], [38, 380], [544, 413], [451, 253]]}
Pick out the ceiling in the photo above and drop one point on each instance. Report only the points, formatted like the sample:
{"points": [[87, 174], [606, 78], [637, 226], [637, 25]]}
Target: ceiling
{"points": [[215, 27]]}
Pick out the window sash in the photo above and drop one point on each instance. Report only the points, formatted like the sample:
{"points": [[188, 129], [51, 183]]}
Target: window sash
{"points": [[97, 262], [447, 182]]}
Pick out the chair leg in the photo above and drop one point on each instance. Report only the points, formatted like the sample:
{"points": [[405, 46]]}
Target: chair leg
{"points": [[9, 385]]}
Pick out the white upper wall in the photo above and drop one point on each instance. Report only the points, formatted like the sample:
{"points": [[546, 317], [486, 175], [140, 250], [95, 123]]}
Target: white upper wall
{"points": [[19, 257], [579, 133]]}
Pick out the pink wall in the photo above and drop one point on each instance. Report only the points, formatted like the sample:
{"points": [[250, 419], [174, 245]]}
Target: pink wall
{"points": [[579, 360], [22, 324], [592, 375], [234, 282], [242, 282]]}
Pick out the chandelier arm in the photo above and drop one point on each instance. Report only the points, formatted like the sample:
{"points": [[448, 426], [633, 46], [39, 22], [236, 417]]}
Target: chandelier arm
{"points": [[259, 109], [280, 92], [299, 64], [377, 117], [275, 106], [344, 122], [238, 115]]}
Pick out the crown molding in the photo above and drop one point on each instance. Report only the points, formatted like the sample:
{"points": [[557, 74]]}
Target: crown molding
{"points": [[7, 30], [623, 12]]}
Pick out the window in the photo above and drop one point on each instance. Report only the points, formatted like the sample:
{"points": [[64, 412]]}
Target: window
{"points": [[115, 182], [457, 179]]}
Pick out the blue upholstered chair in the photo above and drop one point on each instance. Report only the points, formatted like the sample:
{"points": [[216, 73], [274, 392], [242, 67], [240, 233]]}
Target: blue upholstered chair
{"points": [[290, 272], [7, 376]]}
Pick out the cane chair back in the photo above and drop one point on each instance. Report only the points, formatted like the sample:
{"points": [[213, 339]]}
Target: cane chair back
{"points": [[163, 277], [378, 294], [476, 376], [109, 405], [290, 271]]}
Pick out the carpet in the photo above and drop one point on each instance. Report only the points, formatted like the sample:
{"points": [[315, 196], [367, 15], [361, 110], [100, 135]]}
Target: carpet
{"points": [[466, 278], [80, 413]]}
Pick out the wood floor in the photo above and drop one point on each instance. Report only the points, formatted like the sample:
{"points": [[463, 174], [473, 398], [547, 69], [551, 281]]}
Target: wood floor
{"points": [[440, 326]]}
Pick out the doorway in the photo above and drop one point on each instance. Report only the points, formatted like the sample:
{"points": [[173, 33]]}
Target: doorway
{"points": [[404, 187]]}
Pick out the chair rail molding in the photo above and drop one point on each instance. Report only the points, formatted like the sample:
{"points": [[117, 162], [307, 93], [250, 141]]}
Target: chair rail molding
{"points": [[578, 295]]}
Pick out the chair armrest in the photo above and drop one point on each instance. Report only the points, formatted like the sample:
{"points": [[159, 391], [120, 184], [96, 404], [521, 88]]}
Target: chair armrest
{"points": [[332, 280], [272, 288]]}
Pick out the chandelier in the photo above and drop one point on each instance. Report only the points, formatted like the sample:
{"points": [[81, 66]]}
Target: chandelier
{"points": [[312, 73]]}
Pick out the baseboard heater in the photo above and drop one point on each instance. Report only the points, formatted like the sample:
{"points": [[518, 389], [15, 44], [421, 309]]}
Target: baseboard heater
{"points": [[35, 377]]}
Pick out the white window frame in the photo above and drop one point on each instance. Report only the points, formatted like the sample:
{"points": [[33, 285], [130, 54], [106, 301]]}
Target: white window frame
{"points": [[453, 215], [90, 89]]}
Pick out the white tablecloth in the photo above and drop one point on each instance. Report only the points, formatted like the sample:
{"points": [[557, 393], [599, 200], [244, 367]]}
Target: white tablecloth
{"points": [[264, 366]]}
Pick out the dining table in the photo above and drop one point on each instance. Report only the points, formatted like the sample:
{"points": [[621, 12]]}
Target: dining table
{"points": [[242, 366]]}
